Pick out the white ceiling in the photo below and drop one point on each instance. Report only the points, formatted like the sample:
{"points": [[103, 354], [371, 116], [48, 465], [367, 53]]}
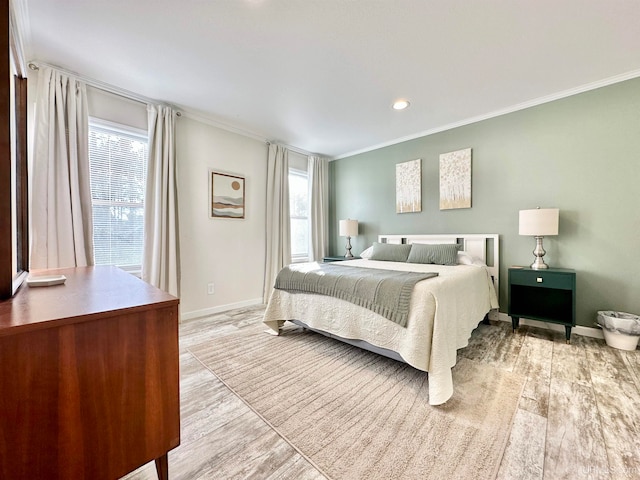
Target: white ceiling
{"points": [[320, 75]]}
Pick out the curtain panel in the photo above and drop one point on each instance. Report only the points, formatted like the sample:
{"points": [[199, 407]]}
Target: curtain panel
{"points": [[278, 241], [161, 257], [318, 207], [61, 216]]}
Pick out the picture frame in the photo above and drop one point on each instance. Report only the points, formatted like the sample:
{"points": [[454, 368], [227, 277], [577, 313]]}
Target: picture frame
{"points": [[409, 186], [226, 195], [455, 179]]}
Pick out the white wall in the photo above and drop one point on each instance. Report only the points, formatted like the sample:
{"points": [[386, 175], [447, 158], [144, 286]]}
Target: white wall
{"points": [[228, 252], [298, 161], [115, 108]]}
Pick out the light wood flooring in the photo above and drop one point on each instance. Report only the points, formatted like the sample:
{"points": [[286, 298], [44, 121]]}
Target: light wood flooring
{"points": [[578, 416]]}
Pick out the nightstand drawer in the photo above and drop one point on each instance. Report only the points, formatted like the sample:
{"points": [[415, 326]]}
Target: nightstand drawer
{"points": [[529, 278]]}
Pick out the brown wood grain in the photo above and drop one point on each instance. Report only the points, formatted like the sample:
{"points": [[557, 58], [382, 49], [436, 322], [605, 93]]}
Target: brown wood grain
{"points": [[88, 291], [6, 244], [94, 394]]}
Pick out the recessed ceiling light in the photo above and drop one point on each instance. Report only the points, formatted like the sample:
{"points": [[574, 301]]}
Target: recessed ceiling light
{"points": [[400, 104]]}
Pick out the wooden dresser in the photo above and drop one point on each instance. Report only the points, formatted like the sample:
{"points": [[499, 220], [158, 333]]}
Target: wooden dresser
{"points": [[89, 377]]}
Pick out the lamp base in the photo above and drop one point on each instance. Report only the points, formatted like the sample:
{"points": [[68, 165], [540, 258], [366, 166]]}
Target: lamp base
{"points": [[539, 252], [539, 265], [348, 247]]}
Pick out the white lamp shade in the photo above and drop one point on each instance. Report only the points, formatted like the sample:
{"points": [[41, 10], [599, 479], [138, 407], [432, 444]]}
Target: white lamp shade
{"points": [[348, 228], [539, 222]]}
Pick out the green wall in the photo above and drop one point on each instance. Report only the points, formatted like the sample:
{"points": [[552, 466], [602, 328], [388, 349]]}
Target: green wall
{"points": [[580, 154]]}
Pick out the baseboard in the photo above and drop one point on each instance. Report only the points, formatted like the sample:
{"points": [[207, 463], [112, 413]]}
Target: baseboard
{"points": [[220, 308], [578, 329]]}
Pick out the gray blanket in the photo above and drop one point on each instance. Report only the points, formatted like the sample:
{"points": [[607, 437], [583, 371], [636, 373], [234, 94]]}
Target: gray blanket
{"points": [[385, 292]]}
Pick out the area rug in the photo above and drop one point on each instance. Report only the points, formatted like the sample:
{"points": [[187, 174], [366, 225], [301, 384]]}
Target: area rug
{"points": [[356, 415]]}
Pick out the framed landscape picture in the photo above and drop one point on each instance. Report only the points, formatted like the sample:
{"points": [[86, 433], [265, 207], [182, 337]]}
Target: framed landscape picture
{"points": [[226, 195]]}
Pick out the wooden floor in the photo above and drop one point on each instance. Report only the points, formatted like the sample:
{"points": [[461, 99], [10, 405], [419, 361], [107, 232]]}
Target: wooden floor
{"points": [[578, 417]]}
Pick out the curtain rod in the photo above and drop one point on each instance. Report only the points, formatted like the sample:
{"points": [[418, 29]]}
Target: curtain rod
{"points": [[33, 65], [292, 148]]}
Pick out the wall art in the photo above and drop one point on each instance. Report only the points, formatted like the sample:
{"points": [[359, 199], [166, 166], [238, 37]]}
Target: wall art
{"points": [[226, 195], [455, 179], [409, 186]]}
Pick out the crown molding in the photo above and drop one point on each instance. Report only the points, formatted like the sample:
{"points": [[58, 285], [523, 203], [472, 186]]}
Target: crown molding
{"points": [[208, 120], [497, 113]]}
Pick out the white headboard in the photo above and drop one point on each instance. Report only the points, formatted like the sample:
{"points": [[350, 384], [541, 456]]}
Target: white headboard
{"points": [[483, 246]]}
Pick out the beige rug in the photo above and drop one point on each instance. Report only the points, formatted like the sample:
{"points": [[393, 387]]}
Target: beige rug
{"points": [[355, 414]]}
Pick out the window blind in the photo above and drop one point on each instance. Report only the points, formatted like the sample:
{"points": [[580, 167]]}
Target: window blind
{"points": [[299, 214], [118, 171]]}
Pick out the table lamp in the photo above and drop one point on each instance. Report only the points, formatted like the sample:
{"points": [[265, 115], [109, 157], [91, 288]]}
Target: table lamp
{"points": [[348, 228], [538, 223]]}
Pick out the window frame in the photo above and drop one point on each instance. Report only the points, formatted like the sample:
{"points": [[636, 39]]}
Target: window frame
{"points": [[14, 203], [21, 184], [126, 130], [300, 258]]}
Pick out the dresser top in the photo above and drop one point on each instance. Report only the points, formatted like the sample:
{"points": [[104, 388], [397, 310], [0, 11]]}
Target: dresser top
{"points": [[88, 293]]}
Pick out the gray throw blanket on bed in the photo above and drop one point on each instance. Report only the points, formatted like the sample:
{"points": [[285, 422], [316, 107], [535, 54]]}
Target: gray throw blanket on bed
{"points": [[385, 292]]}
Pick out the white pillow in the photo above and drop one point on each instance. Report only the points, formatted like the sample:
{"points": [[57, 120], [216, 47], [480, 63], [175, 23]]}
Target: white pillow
{"points": [[367, 253], [465, 258]]}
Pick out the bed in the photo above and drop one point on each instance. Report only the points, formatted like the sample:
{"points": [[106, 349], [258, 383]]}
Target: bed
{"points": [[443, 310]]}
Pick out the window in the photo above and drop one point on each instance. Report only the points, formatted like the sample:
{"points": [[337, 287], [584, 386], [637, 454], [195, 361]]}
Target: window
{"points": [[299, 212], [118, 166]]}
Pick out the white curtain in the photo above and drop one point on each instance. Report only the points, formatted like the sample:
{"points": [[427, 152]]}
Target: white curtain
{"points": [[319, 207], [61, 218], [278, 252], [161, 258]]}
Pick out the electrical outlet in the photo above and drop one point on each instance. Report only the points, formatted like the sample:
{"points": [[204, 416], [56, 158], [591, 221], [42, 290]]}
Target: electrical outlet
{"points": [[210, 289]]}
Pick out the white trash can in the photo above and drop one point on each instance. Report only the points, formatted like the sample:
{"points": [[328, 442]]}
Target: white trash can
{"points": [[621, 330]]}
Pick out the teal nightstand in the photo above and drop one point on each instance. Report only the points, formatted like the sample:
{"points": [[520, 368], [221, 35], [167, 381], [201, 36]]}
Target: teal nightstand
{"points": [[546, 295]]}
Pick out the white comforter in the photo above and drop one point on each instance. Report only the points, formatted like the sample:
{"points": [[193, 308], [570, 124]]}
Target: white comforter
{"points": [[444, 312]]}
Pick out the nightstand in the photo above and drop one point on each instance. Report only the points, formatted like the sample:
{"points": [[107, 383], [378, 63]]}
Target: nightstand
{"points": [[546, 295], [338, 259]]}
